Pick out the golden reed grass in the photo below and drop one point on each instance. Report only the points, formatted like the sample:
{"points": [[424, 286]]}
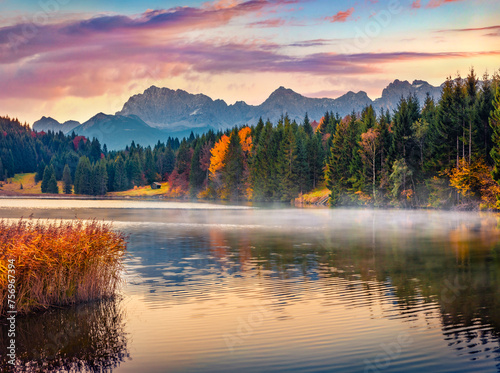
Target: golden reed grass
{"points": [[59, 263]]}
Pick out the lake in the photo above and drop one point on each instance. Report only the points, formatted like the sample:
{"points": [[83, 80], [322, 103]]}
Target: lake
{"points": [[219, 288]]}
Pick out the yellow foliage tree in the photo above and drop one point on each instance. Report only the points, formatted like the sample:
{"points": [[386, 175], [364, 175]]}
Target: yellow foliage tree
{"points": [[474, 180]]}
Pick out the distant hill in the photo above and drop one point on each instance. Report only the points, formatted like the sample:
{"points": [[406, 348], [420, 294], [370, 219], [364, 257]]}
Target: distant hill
{"points": [[158, 113], [118, 131], [50, 124]]}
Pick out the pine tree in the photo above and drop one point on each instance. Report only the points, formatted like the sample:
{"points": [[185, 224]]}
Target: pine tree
{"points": [[45, 179], [149, 166], [369, 117], [169, 160], [120, 178], [495, 125], [307, 126], [67, 181], [95, 151], [484, 104], [233, 176], [83, 177], [406, 114], [316, 157], [99, 178], [286, 165], [444, 132], [183, 161], [471, 109], [39, 171], [52, 184], [197, 176], [134, 169], [304, 182], [49, 182]]}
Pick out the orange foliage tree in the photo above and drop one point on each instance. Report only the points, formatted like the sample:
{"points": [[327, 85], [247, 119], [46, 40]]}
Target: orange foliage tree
{"points": [[245, 139], [218, 154], [218, 159]]}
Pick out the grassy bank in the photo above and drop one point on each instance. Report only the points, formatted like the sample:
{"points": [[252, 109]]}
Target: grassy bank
{"points": [[145, 191], [58, 263], [27, 181]]}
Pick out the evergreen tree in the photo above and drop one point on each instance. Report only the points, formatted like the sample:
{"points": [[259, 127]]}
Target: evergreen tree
{"points": [[495, 125], [99, 178], [150, 166], [406, 114], [233, 176], [120, 178], [49, 182], [134, 169], [286, 165], [183, 161], [471, 109], [369, 118], [307, 126], [39, 171], [169, 160], [459, 113], [67, 181], [52, 185], [444, 132], [95, 151], [83, 177], [484, 105], [304, 182], [197, 176], [45, 179], [315, 157]]}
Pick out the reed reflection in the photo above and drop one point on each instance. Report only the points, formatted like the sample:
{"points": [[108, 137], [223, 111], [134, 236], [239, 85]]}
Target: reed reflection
{"points": [[85, 338]]}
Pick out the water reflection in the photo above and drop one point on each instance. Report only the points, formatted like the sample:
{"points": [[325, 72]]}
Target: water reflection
{"points": [[84, 338], [298, 290], [442, 278]]}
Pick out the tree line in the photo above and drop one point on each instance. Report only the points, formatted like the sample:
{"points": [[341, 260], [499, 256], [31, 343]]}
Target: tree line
{"points": [[443, 153]]}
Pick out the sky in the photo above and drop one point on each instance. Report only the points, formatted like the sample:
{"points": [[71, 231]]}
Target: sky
{"points": [[71, 59]]}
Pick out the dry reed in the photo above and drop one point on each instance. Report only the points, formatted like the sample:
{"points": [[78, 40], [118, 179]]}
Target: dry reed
{"points": [[59, 263]]}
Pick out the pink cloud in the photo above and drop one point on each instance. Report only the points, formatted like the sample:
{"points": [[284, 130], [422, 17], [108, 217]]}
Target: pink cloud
{"points": [[275, 22], [495, 29], [92, 57], [438, 3], [341, 16], [416, 4]]}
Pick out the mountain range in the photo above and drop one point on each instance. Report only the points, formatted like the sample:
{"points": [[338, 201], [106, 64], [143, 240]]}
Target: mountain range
{"points": [[158, 113]]}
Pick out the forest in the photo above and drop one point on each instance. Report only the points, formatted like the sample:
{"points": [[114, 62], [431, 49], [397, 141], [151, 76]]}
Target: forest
{"points": [[442, 154]]}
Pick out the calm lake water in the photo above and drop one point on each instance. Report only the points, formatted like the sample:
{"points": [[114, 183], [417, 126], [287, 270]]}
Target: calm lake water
{"points": [[214, 288]]}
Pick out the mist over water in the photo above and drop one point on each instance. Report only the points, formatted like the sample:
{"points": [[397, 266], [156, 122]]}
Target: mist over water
{"points": [[219, 288]]}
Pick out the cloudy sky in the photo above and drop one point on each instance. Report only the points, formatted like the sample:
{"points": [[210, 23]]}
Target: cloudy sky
{"points": [[70, 59]]}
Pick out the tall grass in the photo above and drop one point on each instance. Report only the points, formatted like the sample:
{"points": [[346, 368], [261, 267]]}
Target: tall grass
{"points": [[59, 263]]}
